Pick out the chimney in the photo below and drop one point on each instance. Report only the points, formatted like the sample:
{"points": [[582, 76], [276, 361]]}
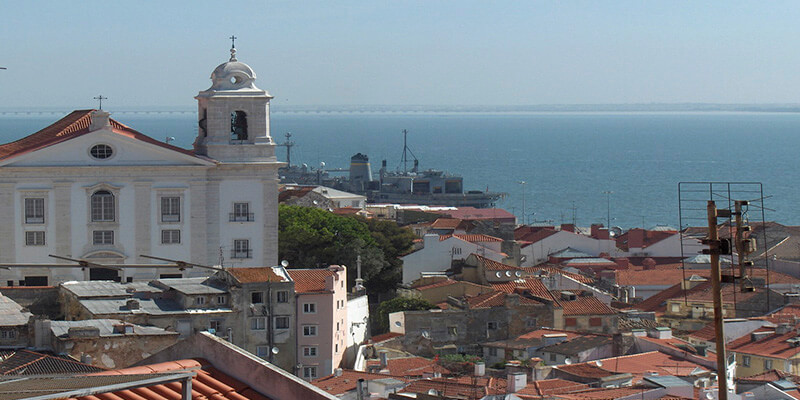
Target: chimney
{"points": [[568, 227], [649, 264], [595, 230], [516, 382], [756, 336], [623, 262], [661, 332], [783, 328], [86, 359], [337, 372], [639, 332], [132, 304], [360, 389], [42, 333], [480, 369], [383, 356]]}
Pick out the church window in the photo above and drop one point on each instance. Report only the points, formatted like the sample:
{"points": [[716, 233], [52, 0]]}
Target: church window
{"points": [[34, 210], [101, 151], [103, 237], [34, 238], [238, 125], [170, 209], [241, 249], [241, 213], [102, 206], [171, 236]]}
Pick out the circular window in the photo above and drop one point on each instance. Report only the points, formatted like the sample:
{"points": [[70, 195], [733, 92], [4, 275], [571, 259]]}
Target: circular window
{"points": [[101, 151]]}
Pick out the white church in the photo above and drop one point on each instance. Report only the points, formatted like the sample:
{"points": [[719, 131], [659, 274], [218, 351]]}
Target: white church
{"points": [[92, 189]]}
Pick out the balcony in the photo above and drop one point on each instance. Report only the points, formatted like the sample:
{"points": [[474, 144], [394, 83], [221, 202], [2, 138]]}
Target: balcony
{"points": [[241, 217], [242, 253]]}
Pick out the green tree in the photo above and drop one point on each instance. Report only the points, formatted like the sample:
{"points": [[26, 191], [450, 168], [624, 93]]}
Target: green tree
{"points": [[399, 304], [311, 237]]}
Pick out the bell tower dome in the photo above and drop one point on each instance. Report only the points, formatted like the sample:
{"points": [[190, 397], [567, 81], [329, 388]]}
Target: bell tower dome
{"points": [[233, 116]]}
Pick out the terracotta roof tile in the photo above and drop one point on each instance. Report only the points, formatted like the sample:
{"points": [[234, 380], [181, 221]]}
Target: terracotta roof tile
{"points": [[667, 277], [774, 346], [602, 394], [338, 385], [255, 274], [446, 223], [549, 387], [472, 238], [411, 366], [487, 300], [536, 236], [310, 280], [384, 337], [460, 388], [26, 362], [491, 265], [208, 384], [588, 305], [75, 124]]}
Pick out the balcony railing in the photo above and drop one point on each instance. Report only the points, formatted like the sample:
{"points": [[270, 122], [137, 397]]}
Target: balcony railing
{"points": [[242, 253], [242, 217]]}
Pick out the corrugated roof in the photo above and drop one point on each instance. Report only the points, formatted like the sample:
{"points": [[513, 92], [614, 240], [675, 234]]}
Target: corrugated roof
{"points": [[89, 289], [191, 286], [577, 345], [773, 346], [106, 327], [100, 307]]}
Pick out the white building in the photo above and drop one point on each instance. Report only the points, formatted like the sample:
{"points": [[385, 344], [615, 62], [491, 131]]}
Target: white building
{"points": [[90, 188], [439, 252]]}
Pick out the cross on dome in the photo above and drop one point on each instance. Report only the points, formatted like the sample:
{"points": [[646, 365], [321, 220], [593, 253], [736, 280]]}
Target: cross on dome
{"points": [[100, 98], [233, 47]]}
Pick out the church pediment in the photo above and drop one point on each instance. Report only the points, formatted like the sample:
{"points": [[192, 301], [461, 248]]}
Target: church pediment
{"points": [[111, 145]]}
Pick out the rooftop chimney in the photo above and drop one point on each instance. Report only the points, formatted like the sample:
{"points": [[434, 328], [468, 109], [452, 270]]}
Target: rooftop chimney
{"points": [[553, 338], [623, 262], [383, 357], [132, 304], [568, 227], [480, 369], [337, 372], [783, 328], [99, 120], [516, 382]]}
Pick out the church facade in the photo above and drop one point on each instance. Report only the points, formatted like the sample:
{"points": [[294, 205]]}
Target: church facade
{"points": [[90, 188]]}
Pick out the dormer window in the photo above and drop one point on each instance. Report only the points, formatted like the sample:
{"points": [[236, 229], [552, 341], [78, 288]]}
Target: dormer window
{"points": [[238, 126]]}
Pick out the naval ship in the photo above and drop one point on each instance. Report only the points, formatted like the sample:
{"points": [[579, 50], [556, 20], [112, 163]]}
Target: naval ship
{"points": [[409, 186]]}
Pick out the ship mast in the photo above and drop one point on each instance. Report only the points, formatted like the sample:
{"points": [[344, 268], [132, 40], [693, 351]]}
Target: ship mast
{"points": [[406, 151], [288, 144]]}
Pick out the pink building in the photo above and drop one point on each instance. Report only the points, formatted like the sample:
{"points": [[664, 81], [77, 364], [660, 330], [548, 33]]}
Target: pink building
{"points": [[321, 298]]}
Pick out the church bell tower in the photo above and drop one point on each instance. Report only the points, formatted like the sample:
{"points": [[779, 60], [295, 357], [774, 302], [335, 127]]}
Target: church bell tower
{"points": [[233, 116]]}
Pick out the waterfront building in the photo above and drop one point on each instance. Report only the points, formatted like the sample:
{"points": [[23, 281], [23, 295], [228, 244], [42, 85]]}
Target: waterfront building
{"points": [[91, 188]]}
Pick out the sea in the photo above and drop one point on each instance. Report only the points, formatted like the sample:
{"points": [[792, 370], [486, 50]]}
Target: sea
{"points": [[617, 168]]}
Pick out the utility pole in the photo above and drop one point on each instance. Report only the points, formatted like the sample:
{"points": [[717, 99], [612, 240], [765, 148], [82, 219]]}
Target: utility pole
{"points": [[716, 247], [744, 246]]}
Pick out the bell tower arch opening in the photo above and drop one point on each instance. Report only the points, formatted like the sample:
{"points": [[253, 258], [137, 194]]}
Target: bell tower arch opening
{"points": [[238, 126]]}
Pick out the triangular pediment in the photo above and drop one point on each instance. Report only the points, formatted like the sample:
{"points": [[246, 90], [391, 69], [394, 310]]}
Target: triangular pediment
{"points": [[81, 143]]}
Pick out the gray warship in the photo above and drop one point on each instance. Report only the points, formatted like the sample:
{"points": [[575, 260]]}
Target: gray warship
{"points": [[409, 186]]}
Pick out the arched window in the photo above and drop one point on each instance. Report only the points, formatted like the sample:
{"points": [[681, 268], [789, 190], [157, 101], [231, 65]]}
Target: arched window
{"points": [[238, 125], [102, 206]]}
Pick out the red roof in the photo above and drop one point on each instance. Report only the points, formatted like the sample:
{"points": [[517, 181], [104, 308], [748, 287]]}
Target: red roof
{"points": [[310, 280], [588, 305], [660, 277], [446, 223], [536, 236], [71, 126], [472, 238], [337, 385], [636, 364], [549, 387], [347, 211], [209, 383], [491, 265], [290, 192], [460, 388], [384, 337], [641, 238], [255, 274], [773, 346], [411, 366]]}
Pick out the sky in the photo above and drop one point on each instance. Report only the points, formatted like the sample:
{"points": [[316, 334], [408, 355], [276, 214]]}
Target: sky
{"points": [[149, 53]]}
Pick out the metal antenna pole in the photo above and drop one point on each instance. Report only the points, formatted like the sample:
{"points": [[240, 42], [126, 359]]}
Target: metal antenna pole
{"points": [[722, 360]]}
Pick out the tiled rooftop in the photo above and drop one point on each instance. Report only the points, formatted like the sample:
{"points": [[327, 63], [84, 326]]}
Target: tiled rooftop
{"points": [[411, 366], [310, 280], [26, 362], [774, 345], [347, 381], [11, 313], [472, 238], [258, 274]]}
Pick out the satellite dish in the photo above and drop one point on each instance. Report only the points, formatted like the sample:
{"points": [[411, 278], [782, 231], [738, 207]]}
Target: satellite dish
{"points": [[518, 274], [599, 363], [397, 323], [567, 361], [322, 164], [498, 274], [426, 335], [284, 263], [508, 274], [275, 350]]}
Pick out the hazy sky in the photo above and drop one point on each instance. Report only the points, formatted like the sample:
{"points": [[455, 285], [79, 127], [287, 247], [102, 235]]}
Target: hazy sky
{"points": [[403, 52]]}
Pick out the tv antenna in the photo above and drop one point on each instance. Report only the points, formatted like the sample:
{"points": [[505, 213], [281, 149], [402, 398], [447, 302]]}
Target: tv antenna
{"points": [[407, 151]]}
